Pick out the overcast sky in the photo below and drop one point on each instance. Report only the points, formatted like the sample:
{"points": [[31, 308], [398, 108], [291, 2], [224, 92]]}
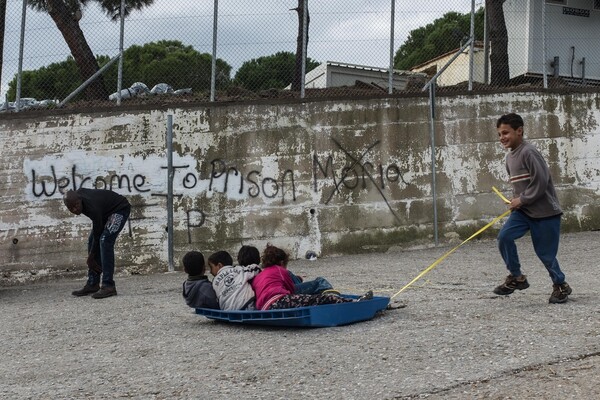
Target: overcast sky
{"points": [[350, 31]]}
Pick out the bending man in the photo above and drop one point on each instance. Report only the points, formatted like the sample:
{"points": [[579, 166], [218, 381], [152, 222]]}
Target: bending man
{"points": [[109, 212]]}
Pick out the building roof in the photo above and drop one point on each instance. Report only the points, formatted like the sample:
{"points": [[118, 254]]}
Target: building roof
{"points": [[366, 68], [478, 46]]}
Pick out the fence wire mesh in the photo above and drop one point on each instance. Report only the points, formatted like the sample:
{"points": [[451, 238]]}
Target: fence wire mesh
{"points": [[258, 47]]}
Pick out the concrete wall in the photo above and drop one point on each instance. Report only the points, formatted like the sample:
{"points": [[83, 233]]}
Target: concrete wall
{"points": [[330, 176]]}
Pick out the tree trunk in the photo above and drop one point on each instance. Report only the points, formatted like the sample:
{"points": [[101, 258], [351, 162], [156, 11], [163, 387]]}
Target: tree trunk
{"points": [[500, 73], [2, 27], [73, 35], [297, 79]]}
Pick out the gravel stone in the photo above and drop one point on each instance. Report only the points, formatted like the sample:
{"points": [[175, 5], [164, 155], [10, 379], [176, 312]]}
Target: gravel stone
{"points": [[453, 339]]}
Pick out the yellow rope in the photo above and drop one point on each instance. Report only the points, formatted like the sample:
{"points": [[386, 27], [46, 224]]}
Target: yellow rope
{"points": [[504, 199], [439, 260]]}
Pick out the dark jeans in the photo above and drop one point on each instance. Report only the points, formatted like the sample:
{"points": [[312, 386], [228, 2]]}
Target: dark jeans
{"points": [[545, 234], [315, 286], [106, 258]]}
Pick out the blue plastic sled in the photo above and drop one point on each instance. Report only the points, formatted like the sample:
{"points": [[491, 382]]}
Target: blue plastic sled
{"points": [[314, 316]]}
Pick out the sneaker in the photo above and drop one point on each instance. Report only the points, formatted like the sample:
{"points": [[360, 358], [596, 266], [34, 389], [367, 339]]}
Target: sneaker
{"points": [[560, 293], [87, 289], [511, 284], [331, 291], [366, 296], [105, 291]]}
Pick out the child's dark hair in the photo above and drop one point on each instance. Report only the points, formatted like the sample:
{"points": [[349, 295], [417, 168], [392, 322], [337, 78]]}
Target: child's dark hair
{"points": [[193, 263], [274, 256], [514, 120], [248, 255], [222, 257]]}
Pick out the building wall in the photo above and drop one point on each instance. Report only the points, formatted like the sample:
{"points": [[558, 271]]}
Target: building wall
{"points": [[523, 35], [330, 74], [458, 71], [571, 36], [330, 176]]}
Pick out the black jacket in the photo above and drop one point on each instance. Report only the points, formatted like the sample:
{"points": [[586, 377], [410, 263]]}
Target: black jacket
{"points": [[99, 205]]}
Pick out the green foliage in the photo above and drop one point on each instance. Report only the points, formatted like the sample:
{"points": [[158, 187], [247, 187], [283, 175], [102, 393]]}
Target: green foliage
{"points": [[54, 81], [270, 72], [159, 62], [112, 8], [171, 62], [441, 36]]}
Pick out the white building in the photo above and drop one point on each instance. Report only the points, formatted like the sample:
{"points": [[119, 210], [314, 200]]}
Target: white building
{"points": [[458, 71], [572, 32], [336, 74]]}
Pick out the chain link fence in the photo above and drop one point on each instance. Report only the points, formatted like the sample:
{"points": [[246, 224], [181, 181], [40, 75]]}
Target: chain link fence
{"points": [[232, 50]]}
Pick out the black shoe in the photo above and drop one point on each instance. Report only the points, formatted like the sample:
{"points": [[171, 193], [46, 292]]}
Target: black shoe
{"points": [[511, 284], [366, 296], [87, 289], [560, 293], [105, 291]]}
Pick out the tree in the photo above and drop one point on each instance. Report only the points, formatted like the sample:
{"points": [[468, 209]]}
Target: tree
{"points": [[54, 81], [500, 73], [165, 61], [270, 72], [441, 36], [297, 78], [66, 15], [171, 62]]}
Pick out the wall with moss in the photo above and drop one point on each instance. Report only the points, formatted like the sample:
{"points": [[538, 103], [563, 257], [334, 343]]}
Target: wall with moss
{"points": [[329, 176]]}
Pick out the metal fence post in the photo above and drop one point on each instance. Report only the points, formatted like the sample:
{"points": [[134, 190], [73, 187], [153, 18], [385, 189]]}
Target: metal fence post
{"points": [[544, 77], [21, 48], [433, 181], [120, 71], [472, 48], [391, 72], [486, 48], [304, 45], [88, 81], [170, 174], [213, 72]]}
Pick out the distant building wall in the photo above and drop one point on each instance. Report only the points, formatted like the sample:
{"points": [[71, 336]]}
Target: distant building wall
{"points": [[334, 74], [571, 31], [458, 70], [326, 176]]}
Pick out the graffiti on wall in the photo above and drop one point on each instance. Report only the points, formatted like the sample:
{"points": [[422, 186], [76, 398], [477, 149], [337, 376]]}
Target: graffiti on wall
{"points": [[51, 177], [358, 173], [223, 177]]}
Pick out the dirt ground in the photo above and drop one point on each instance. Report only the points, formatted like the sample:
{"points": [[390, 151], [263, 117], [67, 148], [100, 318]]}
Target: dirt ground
{"points": [[452, 338]]}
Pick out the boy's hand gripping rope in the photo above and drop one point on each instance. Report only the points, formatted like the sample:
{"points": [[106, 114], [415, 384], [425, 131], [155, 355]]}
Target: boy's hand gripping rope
{"points": [[439, 260]]}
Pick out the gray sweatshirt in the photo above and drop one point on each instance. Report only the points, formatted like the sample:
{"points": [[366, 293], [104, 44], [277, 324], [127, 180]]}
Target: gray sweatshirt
{"points": [[199, 293], [232, 285], [531, 181]]}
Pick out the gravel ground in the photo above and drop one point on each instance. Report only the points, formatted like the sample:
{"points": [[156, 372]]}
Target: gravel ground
{"points": [[453, 338]]}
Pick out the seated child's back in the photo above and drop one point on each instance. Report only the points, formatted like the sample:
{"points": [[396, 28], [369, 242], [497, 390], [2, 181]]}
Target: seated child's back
{"points": [[198, 292], [275, 289], [272, 283], [231, 283], [250, 255]]}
